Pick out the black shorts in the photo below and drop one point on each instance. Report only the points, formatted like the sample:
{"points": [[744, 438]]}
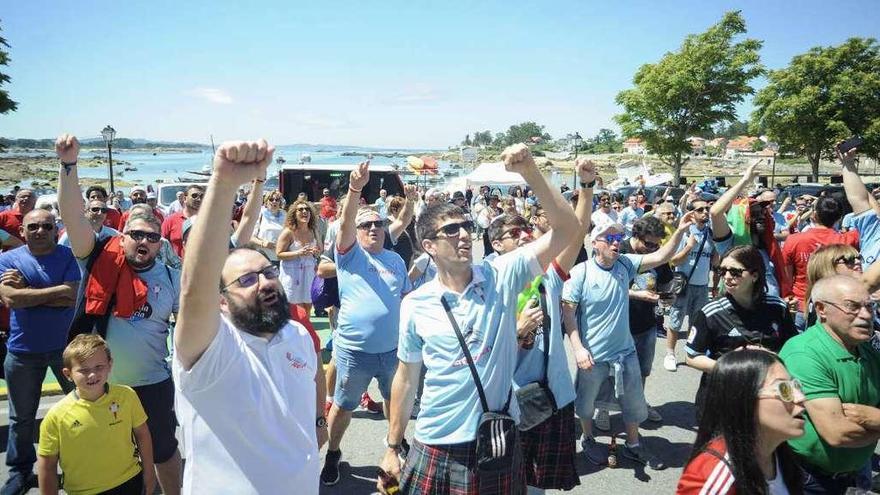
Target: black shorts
{"points": [[134, 486], [158, 402]]}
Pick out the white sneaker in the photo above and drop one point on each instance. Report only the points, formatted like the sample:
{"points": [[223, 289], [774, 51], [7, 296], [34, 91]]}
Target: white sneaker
{"points": [[670, 363], [602, 420]]}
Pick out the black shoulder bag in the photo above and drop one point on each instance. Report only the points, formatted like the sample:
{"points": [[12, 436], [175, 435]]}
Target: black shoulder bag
{"points": [[497, 436], [679, 283], [82, 322], [536, 401]]}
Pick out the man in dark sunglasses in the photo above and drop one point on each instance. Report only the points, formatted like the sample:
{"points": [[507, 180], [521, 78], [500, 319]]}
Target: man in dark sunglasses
{"points": [[95, 213], [135, 296], [39, 283], [172, 227]]}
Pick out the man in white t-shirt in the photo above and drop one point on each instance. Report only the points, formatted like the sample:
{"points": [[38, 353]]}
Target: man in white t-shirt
{"points": [[247, 378]]}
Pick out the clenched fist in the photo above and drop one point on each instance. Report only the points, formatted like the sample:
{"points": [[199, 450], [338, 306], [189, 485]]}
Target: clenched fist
{"points": [[67, 148], [586, 170], [518, 158], [237, 162]]}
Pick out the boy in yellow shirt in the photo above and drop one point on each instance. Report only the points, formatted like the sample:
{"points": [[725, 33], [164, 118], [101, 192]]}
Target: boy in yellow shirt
{"points": [[90, 430]]}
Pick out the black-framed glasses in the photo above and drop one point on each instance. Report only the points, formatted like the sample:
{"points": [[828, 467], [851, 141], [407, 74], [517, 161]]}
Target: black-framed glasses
{"points": [[852, 308], [454, 229], [849, 260], [99, 209], [251, 278], [734, 272], [515, 233], [33, 227], [783, 390], [372, 224], [139, 235]]}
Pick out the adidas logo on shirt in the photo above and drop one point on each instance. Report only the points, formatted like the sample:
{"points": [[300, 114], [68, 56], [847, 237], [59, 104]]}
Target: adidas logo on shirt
{"points": [[734, 333], [76, 424]]}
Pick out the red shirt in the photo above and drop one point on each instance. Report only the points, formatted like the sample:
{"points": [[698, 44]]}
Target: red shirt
{"points": [[799, 247], [328, 207], [124, 218], [10, 221], [708, 473], [112, 218], [172, 229]]}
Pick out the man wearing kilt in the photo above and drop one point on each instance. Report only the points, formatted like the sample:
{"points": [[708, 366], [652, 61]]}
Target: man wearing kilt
{"points": [[482, 300]]}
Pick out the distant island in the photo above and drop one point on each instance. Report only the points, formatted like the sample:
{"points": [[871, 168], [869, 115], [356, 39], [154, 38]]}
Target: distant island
{"points": [[119, 143]]}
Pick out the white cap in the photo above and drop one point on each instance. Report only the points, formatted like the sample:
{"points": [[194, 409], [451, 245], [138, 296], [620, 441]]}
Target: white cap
{"points": [[604, 228]]}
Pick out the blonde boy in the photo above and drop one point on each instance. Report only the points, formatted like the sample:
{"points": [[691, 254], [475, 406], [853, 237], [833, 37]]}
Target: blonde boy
{"points": [[90, 430]]}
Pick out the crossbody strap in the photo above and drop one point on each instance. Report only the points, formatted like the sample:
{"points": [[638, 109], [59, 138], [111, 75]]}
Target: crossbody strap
{"points": [[699, 252], [467, 355], [545, 324]]}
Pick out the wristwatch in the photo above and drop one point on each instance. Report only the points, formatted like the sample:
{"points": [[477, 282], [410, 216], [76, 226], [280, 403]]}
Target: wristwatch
{"points": [[321, 422]]}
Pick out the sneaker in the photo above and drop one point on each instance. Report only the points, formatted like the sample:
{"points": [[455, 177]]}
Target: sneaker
{"points": [[643, 456], [602, 420], [670, 363], [595, 453], [19, 484], [654, 415], [330, 473], [369, 405]]}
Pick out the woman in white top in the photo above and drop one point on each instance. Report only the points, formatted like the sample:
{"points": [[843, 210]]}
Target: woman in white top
{"points": [[298, 249], [270, 224]]}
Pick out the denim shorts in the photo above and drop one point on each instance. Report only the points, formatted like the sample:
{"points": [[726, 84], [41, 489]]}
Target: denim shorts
{"points": [[355, 370], [645, 346], [632, 399], [692, 301]]}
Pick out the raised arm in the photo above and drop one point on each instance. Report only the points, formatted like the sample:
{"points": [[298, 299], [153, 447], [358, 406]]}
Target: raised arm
{"points": [[198, 320], [856, 192], [667, 250], [70, 202], [583, 212], [718, 211], [564, 225], [347, 234], [251, 213], [399, 225]]}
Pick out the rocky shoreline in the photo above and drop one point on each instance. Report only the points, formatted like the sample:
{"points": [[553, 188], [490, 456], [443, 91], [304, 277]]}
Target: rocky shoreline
{"points": [[42, 171]]}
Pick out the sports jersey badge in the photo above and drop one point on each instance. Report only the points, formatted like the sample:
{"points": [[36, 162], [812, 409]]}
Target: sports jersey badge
{"points": [[114, 408]]}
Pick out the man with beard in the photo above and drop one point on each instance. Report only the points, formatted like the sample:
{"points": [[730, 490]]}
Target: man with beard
{"points": [[246, 376], [122, 279], [172, 227], [39, 284], [139, 196]]}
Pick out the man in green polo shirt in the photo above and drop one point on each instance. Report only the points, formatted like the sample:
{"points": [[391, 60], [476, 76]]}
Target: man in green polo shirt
{"points": [[837, 361]]}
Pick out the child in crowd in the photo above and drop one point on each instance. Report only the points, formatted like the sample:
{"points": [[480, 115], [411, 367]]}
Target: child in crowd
{"points": [[90, 430]]}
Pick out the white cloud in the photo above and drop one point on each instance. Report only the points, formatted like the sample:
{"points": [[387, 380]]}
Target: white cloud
{"points": [[214, 95]]}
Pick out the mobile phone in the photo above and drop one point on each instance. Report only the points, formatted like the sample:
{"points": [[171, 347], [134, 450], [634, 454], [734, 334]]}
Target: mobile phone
{"points": [[853, 142]]}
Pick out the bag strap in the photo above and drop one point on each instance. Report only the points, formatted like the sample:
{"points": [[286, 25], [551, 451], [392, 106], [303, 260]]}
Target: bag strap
{"points": [[467, 355], [699, 252], [545, 324]]}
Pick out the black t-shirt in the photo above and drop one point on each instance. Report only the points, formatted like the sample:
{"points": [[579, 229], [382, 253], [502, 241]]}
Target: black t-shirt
{"points": [[723, 325], [642, 314]]}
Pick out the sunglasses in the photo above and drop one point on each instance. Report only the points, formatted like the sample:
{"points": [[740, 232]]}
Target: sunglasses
{"points": [[196, 195], [651, 245], [849, 260], [734, 272], [139, 235], [453, 229], [274, 200], [98, 209], [33, 227], [373, 224], [251, 278], [305, 209], [783, 390], [515, 233], [611, 238]]}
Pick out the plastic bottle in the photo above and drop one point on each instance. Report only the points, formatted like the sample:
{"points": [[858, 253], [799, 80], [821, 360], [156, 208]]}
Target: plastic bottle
{"points": [[612, 452], [389, 483], [531, 292]]}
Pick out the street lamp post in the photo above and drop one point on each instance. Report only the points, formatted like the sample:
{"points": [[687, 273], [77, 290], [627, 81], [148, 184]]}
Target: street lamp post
{"points": [[576, 140], [108, 134]]}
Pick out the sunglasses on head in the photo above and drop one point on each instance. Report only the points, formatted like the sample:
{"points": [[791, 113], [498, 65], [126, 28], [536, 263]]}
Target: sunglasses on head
{"points": [[372, 224], [734, 272], [611, 238], [33, 227], [515, 232], [139, 235], [453, 229], [99, 209], [251, 278], [849, 260], [783, 390]]}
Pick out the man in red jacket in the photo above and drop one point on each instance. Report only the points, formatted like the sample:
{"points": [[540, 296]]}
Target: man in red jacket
{"points": [[172, 227]]}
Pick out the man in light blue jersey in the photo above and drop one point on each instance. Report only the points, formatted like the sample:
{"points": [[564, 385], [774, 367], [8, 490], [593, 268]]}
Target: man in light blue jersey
{"points": [[865, 217], [482, 300]]}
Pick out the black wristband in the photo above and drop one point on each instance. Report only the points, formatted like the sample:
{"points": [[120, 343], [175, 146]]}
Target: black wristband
{"points": [[588, 185], [67, 167]]}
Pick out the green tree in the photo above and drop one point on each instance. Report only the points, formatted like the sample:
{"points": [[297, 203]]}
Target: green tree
{"points": [[689, 91], [606, 141], [521, 133], [6, 103], [732, 130], [467, 140], [822, 97]]}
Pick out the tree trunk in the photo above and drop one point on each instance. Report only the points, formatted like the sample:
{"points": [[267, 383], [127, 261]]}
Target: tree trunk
{"points": [[814, 163], [676, 170]]}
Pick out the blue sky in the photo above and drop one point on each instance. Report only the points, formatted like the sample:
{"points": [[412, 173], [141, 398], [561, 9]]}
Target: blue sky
{"points": [[407, 74]]}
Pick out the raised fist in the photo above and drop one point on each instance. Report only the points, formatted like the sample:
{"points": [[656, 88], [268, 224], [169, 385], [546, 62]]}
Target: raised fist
{"points": [[517, 158], [237, 162], [359, 176], [411, 192], [751, 171], [67, 148], [586, 169]]}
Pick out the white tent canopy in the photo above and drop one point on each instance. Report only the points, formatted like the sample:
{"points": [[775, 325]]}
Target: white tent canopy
{"points": [[493, 174]]}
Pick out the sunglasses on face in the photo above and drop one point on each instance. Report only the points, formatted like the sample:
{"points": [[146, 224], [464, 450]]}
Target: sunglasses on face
{"points": [[196, 195], [373, 224], [98, 209], [783, 390], [139, 235], [251, 278], [849, 260], [651, 245], [611, 238], [734, 272], [33, 227], [274, 200], [454, 229], [303, 209], [515, 233]]}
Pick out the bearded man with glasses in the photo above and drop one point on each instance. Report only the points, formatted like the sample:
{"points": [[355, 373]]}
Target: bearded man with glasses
{"points": [[837, 361], [129, 297], [39, 283]]}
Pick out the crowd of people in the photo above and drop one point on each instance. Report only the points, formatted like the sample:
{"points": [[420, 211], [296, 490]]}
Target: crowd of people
{"points": [[778, 302]]}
